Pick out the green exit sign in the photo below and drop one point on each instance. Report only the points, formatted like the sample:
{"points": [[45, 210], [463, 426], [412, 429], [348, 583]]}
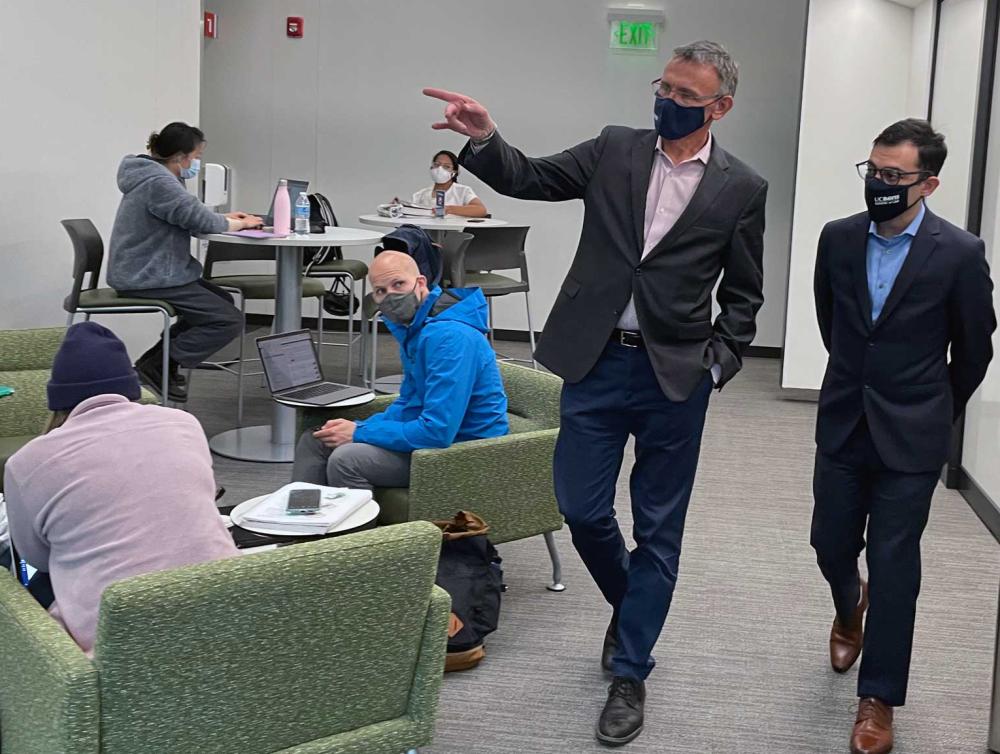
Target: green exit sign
{"points": [[633, 35]]}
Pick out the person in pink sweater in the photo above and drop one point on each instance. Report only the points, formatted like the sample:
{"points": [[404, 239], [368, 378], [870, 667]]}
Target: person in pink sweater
{"points": [[113, 489]]}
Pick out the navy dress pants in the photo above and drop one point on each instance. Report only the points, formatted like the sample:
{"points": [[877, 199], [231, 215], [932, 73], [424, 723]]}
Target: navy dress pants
{"points": [[620, 397], [854, 489]]}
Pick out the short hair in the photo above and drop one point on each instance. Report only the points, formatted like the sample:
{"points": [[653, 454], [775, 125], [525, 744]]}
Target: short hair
{"points": [[931, 149], [715, 55]]}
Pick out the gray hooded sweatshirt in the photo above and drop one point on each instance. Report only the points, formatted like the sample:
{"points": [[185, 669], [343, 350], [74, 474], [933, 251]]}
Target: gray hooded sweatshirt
{"points": [[151, 238]]}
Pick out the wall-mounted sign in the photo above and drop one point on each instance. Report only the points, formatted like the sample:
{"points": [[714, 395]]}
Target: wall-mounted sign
{"points": [[635, 27], [633, 35]]}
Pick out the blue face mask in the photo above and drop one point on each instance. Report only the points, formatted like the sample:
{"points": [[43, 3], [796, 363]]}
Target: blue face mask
{"points": [[673, 121], [192, 171]]}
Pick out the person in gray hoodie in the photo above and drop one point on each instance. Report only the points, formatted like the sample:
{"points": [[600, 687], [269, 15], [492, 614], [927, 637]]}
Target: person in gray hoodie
{"points": [[150, 253]]}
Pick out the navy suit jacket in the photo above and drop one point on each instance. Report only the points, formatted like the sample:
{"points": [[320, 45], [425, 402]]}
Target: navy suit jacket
{"points": [[896, 372]]}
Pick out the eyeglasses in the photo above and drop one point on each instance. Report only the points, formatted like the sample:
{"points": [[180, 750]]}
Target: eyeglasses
{"points": [[889, 176], [663, 90], [449, 168]]}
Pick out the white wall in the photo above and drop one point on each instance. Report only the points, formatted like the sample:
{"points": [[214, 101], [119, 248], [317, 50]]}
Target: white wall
{"points": [[867, 63], [959, 59], [921, 57], [79, 92], [982, 416], [342, 107]]}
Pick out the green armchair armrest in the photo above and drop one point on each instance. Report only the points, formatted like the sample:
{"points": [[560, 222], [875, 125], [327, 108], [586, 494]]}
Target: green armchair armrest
{"points": [[506, 480], [48, 687]]}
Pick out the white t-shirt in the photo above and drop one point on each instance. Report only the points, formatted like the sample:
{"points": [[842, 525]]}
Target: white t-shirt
{"points": [[457, 195]]}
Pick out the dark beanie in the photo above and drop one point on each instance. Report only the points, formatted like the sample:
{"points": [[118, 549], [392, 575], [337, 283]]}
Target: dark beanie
{"points": [[91, 361]]}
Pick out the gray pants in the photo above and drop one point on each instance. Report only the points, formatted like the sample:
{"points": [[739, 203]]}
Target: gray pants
{"points": [[356, 465], [206, 319]]}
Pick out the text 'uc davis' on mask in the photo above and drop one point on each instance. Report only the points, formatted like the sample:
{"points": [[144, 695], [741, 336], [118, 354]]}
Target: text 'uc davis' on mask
{"points": [[885, 202]]}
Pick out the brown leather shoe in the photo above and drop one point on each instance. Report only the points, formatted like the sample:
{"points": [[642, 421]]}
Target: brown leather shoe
{"points": [[846, 640], [873, 728]]}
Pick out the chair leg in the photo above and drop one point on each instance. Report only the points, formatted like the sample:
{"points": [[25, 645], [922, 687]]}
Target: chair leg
{"points": [[489, 309], [239, 369], [319, 327], [69, 319], [86, 317], [557, 583], [374, 347], [165, 385], [531, 330]]}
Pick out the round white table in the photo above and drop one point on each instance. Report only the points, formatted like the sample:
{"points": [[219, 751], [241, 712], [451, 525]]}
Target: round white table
{"points": [[448, 222], [360, 518], [275, 442]]}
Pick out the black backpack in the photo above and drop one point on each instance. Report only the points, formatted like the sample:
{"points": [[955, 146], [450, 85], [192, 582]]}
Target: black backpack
{"points": [[469, 570], [338, 300], [321, 216], [413, 240]]}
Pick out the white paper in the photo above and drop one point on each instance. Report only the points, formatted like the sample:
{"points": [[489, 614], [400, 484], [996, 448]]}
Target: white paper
{"points": [[336, 504]]}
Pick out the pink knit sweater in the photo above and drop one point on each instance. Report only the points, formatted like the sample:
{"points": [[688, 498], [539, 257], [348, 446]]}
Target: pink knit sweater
{"points": [[119, 490]]}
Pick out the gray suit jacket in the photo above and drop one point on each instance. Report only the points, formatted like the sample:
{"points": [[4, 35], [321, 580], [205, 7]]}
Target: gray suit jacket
{"points": [[720, 232]]}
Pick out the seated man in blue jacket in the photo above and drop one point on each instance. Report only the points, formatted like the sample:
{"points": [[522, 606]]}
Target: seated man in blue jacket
{"points": [[451, 388]]}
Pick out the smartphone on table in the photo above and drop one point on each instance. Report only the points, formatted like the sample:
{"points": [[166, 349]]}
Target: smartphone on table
{"points": [[303, 502]]}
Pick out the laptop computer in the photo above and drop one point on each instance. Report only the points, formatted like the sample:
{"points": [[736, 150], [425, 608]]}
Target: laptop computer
{"points": [[295, 187], [293, 372]]}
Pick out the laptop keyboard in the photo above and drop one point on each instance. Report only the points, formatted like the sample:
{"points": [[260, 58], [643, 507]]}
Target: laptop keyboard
{"points": [[309, 392]]}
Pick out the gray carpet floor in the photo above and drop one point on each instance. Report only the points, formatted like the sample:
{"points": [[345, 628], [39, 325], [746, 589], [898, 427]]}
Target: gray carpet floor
{"points": [[742, 662]]}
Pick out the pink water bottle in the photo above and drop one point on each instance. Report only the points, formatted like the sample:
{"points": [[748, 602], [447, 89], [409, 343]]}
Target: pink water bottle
{"points": [[282, 209]]}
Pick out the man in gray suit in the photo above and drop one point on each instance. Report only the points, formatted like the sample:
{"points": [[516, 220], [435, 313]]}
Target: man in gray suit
{"points": [[667, 211]]}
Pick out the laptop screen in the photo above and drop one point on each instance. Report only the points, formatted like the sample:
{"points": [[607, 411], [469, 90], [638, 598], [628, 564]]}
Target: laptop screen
{"points": [[295, 187], [289, 360]]}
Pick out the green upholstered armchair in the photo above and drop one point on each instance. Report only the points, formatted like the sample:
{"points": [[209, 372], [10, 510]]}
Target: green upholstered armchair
{"points": [[25, 363], [506, 480], [329, 647]]}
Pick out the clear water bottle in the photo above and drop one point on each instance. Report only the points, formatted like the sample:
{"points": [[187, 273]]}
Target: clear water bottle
{"points": [[302, 215]]}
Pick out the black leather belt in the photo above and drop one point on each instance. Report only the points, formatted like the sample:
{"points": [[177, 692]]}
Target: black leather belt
{"points": [[629, 338]]}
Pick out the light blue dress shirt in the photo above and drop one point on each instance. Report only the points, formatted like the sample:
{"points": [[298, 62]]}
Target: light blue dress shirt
{"points": [[885, 260]]}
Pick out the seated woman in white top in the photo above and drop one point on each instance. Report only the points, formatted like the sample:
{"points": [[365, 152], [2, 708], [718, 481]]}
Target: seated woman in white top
{"points": [[459, 199]]}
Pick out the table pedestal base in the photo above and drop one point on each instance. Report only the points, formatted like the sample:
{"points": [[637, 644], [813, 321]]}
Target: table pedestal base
{"points": [[252, 444]]}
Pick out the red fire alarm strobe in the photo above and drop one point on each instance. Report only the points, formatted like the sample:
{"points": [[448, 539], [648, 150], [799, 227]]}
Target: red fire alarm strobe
{"points": [[211, 29], [293, 26]]}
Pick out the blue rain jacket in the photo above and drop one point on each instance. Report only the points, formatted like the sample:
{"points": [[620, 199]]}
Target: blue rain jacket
{"points": [[451, 389]]}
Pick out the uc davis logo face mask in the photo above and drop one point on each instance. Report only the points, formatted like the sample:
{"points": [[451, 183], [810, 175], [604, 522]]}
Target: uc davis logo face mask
{"points": [[885, 202]]}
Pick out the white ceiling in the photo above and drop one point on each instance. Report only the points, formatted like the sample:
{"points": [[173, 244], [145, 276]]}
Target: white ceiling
{"points": [[910, 3]]}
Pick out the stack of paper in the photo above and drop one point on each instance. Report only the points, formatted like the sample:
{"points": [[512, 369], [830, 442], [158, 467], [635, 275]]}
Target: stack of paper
{"points": [[336, 504], [407, 210], [417, 210]]}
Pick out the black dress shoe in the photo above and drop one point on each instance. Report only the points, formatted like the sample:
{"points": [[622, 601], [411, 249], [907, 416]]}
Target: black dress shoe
{"points": [[621, 719], [610, 645], [150, 371]]}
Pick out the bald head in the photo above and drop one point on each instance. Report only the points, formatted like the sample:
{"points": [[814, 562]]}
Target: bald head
{"points": [[395, 272]]}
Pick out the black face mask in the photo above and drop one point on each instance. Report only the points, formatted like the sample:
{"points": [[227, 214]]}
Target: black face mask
{"points": [[885, 202]]}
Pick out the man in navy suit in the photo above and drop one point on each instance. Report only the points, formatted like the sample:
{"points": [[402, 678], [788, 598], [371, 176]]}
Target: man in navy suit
{"points": [[897, 289]]}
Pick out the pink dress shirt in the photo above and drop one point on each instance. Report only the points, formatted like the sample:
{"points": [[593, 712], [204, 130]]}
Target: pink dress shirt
{"points": [[670, 190]]}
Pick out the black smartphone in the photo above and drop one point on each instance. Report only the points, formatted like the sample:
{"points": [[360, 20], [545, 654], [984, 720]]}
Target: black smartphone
{"points": [[303, 502]]}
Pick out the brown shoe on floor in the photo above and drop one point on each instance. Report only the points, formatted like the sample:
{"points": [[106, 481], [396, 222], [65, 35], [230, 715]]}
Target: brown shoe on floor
{"points": [[873, 728], [846, 640]]}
